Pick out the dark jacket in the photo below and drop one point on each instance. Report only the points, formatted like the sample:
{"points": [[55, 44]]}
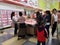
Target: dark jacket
{"points": [[48, 18]]}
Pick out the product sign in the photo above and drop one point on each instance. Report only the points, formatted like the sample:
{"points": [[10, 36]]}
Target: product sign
{"points": [[21, 0], [24, 1], [14, 0], [0, 19], [33, 2]]}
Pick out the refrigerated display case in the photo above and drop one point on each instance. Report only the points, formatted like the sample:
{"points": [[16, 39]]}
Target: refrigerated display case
{"points": [[0, 20], [4, 18], [31, 28], [8, 6]]}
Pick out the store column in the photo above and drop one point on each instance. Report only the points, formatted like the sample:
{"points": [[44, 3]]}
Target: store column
{"points": [[47, 4], [59, 4]]}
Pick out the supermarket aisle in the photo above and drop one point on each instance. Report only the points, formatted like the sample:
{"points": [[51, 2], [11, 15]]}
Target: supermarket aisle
{"points": [[8, 34], [7, 39]]}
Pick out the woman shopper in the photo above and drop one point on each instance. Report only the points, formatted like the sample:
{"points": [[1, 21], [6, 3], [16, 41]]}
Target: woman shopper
{"points": [[47, 20], [40, 30], [54, 20], [22, 26], [14, 20]]}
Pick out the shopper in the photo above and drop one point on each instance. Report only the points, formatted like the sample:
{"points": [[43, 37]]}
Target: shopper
{"points": [[40, 30], [25, 15], [54, 20], [47, 20], [22, 26], [14, 20]]}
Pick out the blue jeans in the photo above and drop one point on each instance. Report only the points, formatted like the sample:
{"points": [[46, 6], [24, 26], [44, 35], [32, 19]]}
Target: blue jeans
{"points": [[38, 43]]}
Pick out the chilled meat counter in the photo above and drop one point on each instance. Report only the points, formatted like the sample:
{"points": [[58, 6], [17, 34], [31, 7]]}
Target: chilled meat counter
{"points": [[31, 28]]}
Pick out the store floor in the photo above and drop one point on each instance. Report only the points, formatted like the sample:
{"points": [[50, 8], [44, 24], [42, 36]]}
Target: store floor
{"points": [[7, 39]]}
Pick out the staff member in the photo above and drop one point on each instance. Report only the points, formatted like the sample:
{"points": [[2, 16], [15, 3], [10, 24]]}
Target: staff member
{"points": [[14, 20], [54, 20]]}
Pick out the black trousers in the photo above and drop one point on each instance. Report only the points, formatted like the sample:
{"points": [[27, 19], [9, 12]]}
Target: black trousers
{"points": [[54, 28], [38, 43], [15, 30], [22, 30], [47, 27]]}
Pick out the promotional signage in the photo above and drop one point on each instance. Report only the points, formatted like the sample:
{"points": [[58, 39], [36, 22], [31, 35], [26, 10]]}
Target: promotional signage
{"points": [[23, 1], [32, 3]]}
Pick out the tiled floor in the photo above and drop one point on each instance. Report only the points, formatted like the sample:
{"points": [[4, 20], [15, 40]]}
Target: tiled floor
{"points": [[14, 41], [7, 39]]}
